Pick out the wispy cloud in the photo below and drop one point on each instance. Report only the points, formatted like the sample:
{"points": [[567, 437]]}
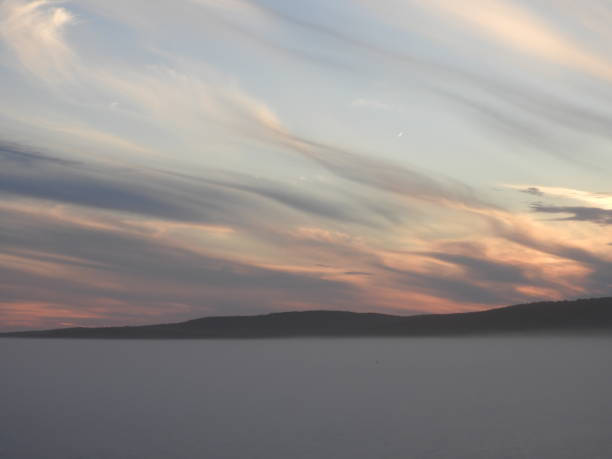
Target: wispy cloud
{"points": [[34, 31], [579, 214], [117, 266], [522, 30], [598, 199], [243, 156], [217, 198]]}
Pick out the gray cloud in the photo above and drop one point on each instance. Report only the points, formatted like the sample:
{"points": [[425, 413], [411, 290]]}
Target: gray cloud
{"points": [[597, 282], [455, 288], [216, 198], [577, 213], [289, 196], [40, 176], [385, 176], [14, 152], [533, 190], [132, 268], [553, 109], [483, 269]]}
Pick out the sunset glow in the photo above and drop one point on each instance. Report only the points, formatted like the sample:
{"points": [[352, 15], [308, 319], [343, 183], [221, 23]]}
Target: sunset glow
{"points": [[162, 161]]}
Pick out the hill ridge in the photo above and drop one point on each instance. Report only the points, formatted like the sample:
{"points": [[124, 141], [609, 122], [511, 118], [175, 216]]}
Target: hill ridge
{"points": [[568, 316]]}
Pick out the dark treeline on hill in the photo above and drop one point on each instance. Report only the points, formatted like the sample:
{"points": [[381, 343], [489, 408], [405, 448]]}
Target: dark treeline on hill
{"points": [[579, 316]]}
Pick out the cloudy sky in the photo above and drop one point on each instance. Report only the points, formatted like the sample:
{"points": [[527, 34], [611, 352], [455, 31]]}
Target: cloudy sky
{"points": [[166, 160]]}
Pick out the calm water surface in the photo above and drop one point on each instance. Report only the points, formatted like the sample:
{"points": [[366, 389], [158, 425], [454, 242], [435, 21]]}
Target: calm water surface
{"points": [[450, 398]]}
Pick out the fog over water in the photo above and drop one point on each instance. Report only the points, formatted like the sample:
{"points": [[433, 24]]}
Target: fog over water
{"points": [[501, 397]]}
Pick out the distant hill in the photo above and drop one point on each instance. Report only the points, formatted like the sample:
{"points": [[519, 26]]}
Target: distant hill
{"points": [[579, 316]]}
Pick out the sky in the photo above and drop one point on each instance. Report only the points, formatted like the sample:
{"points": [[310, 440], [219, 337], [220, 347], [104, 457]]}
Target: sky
{"points": [[167, 160]]}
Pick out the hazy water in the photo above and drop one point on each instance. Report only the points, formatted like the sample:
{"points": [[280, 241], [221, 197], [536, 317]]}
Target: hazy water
{"points": [[314, 398]]}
